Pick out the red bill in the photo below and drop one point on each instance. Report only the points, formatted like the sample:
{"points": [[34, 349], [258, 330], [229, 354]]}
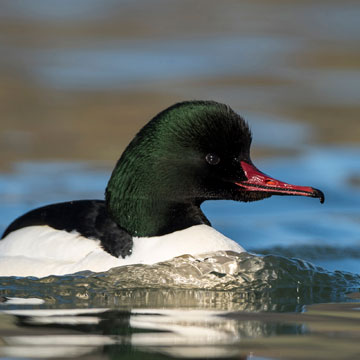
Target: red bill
{"points": [[258, 181]]}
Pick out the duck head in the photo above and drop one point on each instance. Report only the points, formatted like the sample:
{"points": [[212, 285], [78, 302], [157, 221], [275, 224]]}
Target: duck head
{"points": [[191, 152]]}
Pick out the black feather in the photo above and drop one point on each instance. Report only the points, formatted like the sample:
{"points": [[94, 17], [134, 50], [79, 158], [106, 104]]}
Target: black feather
{"points": [[87, 217]]}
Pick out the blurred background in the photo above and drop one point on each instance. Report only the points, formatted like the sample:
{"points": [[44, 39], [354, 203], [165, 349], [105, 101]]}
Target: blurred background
{"points": [[79, 78]]}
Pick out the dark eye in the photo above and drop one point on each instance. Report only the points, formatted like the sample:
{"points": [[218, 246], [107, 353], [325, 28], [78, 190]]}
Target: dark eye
{"points": [[212, 159]]}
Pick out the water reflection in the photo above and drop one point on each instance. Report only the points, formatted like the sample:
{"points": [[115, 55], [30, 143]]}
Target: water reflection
{"points": [[178, 333]]}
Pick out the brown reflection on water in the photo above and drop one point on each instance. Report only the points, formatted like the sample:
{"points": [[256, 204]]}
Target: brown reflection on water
{"points": [[333, 332], [271, 57]]}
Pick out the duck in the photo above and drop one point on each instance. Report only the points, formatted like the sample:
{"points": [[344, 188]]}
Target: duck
{"points": [[191, 152]]}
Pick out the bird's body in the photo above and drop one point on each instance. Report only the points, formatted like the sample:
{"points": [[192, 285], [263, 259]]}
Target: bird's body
{"points": [[191, 152], [42, 251]]}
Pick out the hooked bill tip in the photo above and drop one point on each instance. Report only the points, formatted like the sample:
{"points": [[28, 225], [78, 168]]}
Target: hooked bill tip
{"points": [[319, 194]]}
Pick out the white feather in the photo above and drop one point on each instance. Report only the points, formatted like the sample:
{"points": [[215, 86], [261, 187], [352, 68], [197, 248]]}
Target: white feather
{"points": [[41, 250]]}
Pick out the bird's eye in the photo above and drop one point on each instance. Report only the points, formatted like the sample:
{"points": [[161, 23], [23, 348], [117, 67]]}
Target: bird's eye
{"points": [[212, 159]]}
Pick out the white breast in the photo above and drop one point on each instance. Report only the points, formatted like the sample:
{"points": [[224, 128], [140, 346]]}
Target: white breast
{"points": [[41, 251]]}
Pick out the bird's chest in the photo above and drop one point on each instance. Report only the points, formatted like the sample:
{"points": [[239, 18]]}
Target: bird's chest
{"points": [[194, 240]]}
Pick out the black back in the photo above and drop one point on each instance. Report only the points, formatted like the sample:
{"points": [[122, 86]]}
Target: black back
{"points": [[87, 217]]}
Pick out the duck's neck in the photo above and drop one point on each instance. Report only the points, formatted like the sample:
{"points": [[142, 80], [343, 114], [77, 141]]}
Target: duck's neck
{"points": [[146, 218]]}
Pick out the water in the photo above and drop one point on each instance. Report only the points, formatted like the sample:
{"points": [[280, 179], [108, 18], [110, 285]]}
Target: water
{"points": [[186, 333], [263, 283]]}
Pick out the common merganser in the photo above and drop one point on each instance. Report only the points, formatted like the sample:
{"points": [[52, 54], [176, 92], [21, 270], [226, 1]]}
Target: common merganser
{"points": [[191, 152]]}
